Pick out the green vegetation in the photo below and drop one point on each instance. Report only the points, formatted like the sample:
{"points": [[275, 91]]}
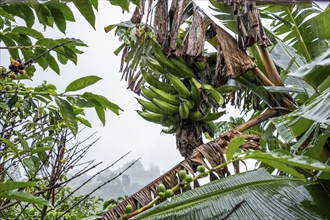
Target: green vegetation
{"points": [[277, 75]]}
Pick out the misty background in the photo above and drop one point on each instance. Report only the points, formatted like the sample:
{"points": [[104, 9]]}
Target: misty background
{"points": [[127, 132]]}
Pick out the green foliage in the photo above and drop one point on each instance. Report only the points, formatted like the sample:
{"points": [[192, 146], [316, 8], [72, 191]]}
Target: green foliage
{"points": [[37, 122], [233, 146], [247, 194]]}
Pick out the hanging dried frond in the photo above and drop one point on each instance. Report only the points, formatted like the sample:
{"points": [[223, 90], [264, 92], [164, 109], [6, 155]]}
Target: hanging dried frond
{"points": [[211, 153], [250, 29]]}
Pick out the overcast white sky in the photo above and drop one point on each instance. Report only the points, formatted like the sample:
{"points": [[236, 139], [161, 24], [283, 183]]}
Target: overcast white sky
{"points": [[128, 131]]}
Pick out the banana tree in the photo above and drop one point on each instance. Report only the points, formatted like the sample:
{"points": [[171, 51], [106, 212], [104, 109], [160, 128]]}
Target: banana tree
{"points": [[286, 76]]}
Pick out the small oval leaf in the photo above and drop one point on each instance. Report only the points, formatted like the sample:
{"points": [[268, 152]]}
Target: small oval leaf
{"points": [[82, 83]]}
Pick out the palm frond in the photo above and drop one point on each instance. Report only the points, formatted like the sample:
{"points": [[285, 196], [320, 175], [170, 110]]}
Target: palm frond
{"points": [[250, 195], [211, 154]]}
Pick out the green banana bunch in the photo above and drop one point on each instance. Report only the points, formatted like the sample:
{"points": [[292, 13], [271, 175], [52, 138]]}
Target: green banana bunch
{"points": [[164, 96], [149, 106], [179, 86], [166, 107], [153, 81]]}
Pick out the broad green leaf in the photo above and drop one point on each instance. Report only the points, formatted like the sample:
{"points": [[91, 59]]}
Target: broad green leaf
{"points": [[10, 185], [44, 15], [80, 102], [58, 16], [315, 148], [314, 72], [41, 60], [11, 44], [68, 115], [71, 55], [298, 82], [67, 13], [300, 126], [286, 57], [303, 138], [121, 3], [233, 146], [82, 83], [84, 121], [284, 89], [28, 31], [25, 197], [10, 144], [52, 63], [102, 101], [295, 123], [86, 9], [250, 195], [101, 114], [7, 15], [95, 4], [285, 157], [281, 167]]}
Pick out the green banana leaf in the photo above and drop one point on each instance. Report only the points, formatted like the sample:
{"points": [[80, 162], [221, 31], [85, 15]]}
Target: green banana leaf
{"points": [[250, 195], [304, 26]]}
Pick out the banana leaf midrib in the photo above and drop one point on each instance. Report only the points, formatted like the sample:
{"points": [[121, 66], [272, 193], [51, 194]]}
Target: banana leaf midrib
{"points": [[208, 196]]}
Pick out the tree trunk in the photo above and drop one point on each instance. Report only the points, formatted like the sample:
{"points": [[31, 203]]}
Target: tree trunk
{"points": [[188, 137]]}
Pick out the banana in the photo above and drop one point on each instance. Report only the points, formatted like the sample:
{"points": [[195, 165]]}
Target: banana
{"points": [[171, 129], [164, 96], [166, 107], [195, 116], [166, 63], [155, 65], [184, 70], [179, 86], [195, 93], [149, 106], [190, 104], [148, 93], [183, 110], [214, 116], [196, 83], [152, 117], [216, 96], [153, 81]]}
